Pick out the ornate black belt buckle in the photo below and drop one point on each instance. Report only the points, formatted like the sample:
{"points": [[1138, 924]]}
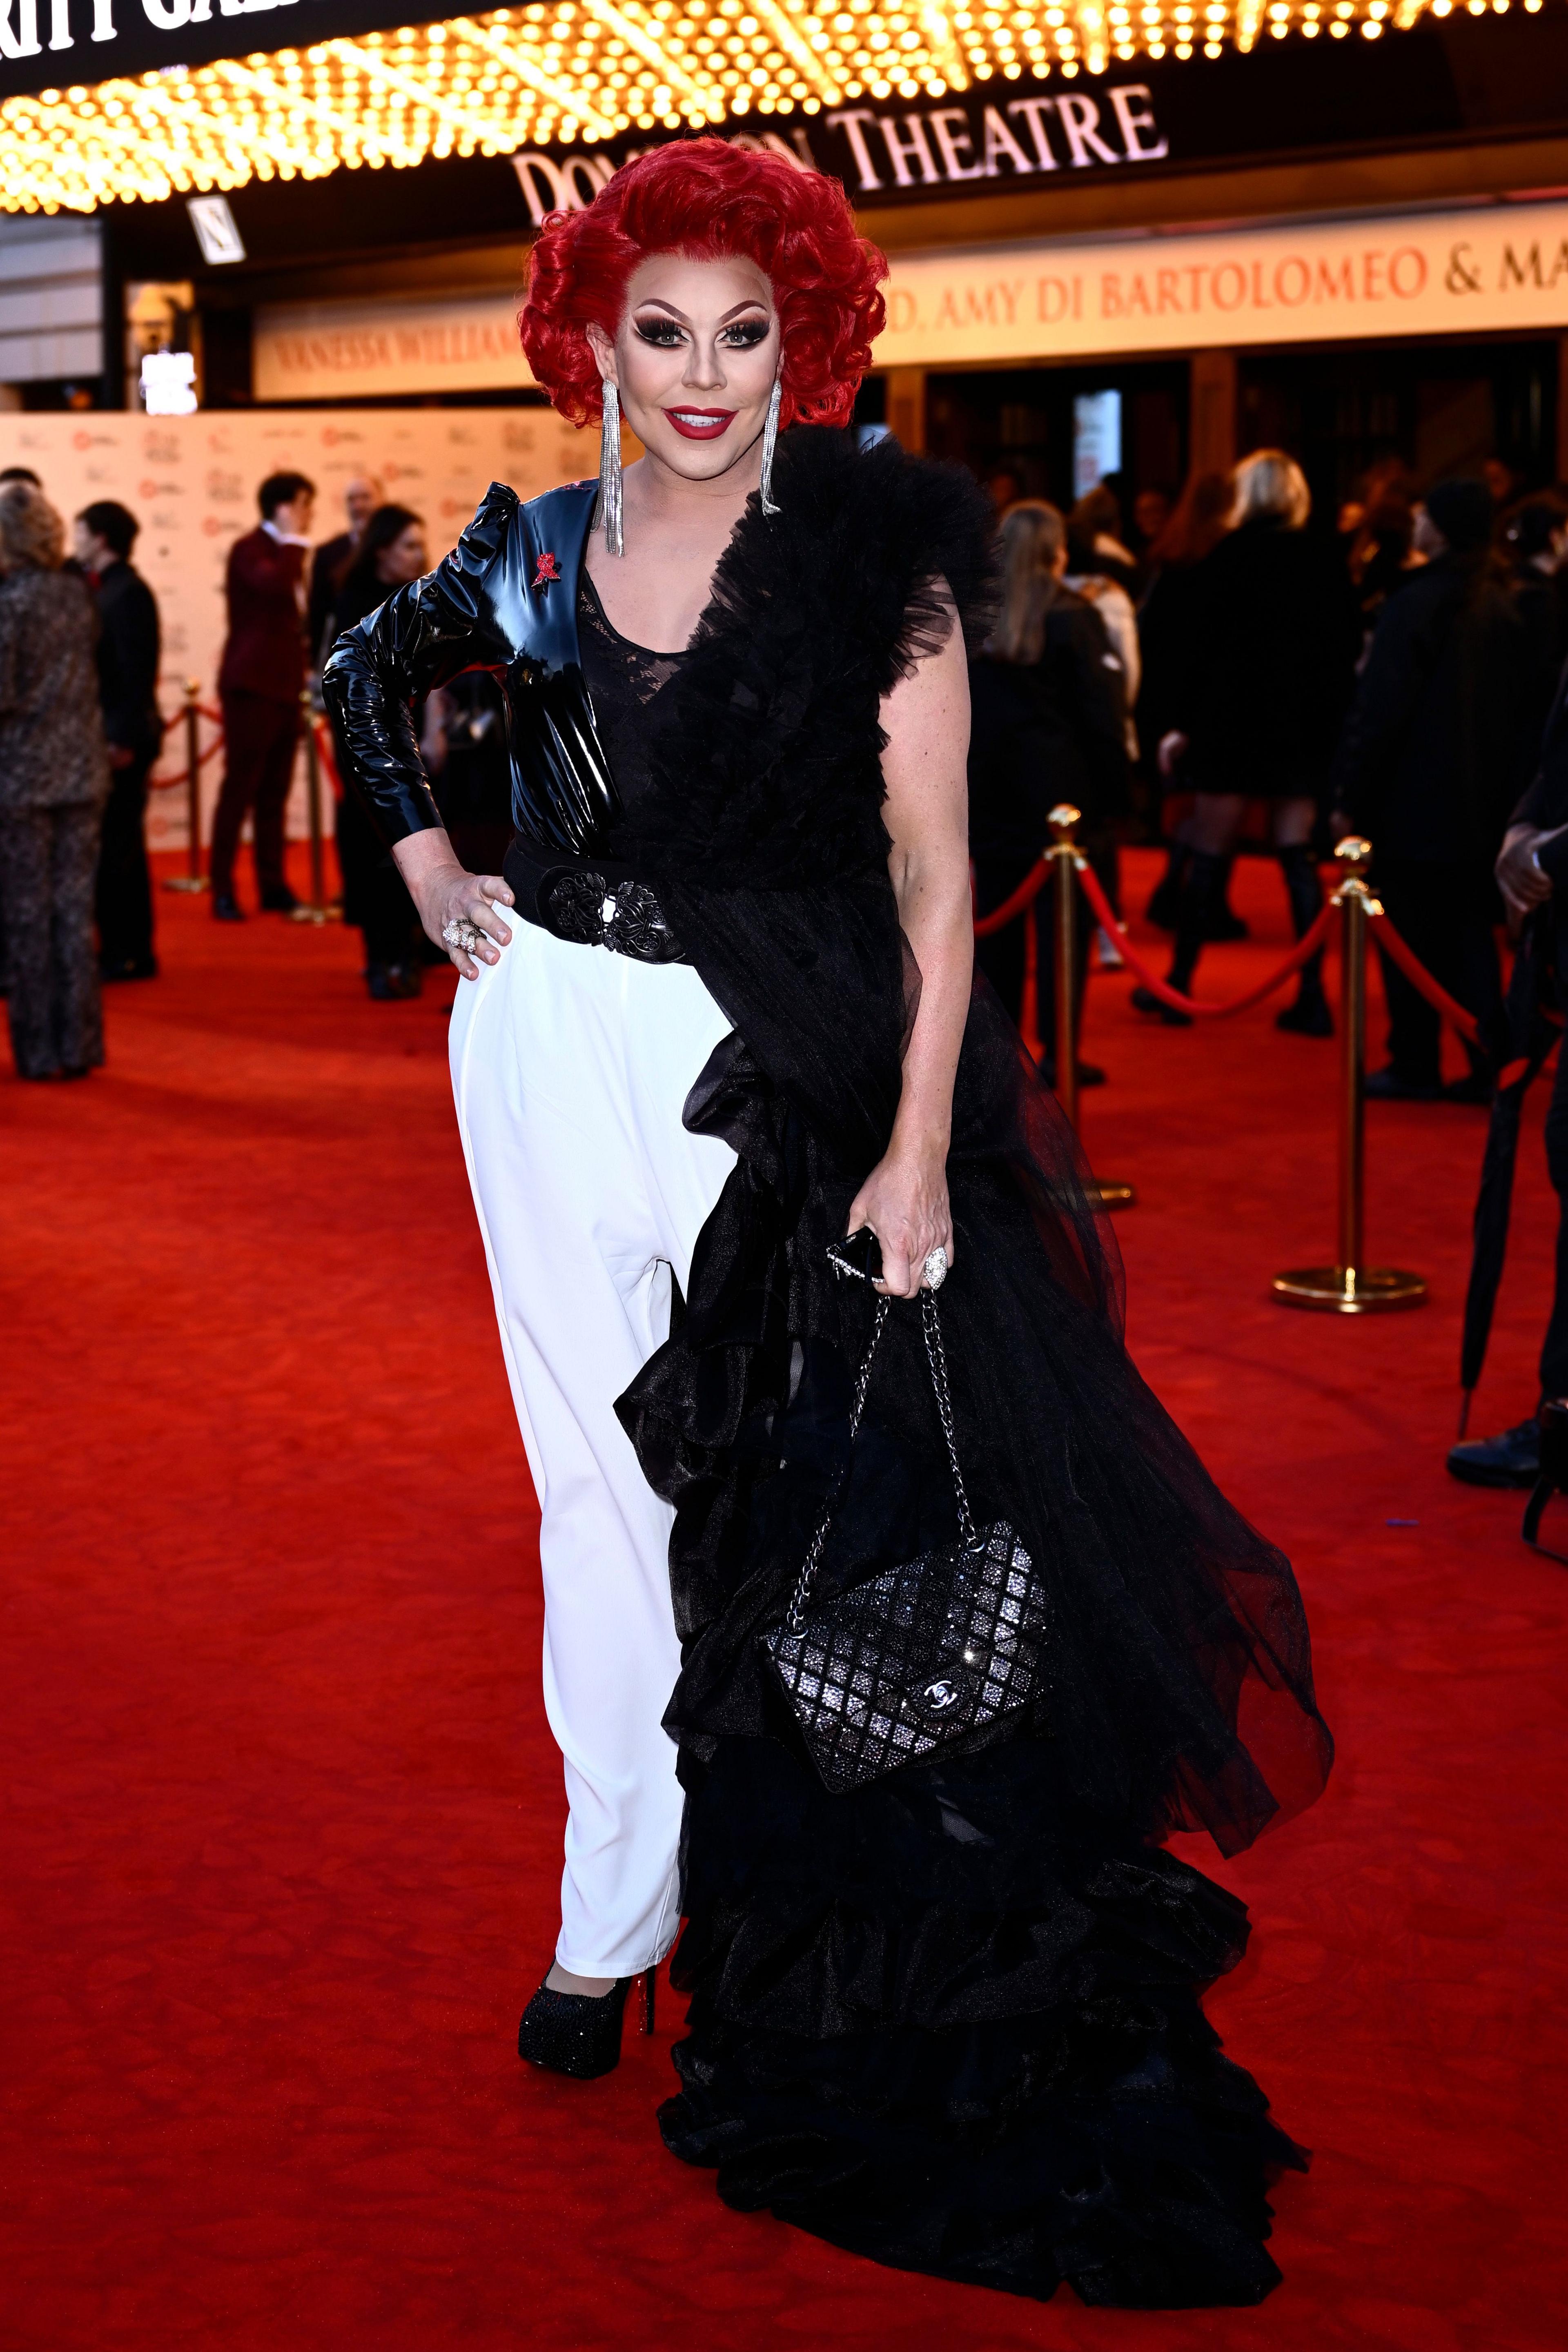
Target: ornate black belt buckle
{"points": [[575, 903], [582, 907]]}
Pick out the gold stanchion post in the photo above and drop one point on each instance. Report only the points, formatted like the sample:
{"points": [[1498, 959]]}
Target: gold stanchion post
{"points": [[318, 910], [192, 878], [1350, 1286], [1064, 857]]}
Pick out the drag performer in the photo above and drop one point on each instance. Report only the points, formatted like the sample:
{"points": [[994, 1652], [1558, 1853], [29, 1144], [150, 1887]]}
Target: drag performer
{"points": [[720, 1014]]}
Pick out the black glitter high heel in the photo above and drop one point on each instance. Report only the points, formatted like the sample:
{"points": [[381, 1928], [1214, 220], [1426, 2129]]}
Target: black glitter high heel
{"points": [[579, 2033]]}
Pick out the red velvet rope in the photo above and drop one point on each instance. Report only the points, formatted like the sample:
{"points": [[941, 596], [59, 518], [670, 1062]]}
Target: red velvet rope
{"points": [[1420, 979], [1027, 891], [167, 783], [214, 719], [1105, 913]]}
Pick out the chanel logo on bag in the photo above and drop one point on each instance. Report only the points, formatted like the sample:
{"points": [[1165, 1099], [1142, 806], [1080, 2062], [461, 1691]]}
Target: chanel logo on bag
{"points": [[938, 1697]]}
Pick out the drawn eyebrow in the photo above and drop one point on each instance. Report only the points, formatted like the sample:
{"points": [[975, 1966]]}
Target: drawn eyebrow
{"points": [[656, 302]]}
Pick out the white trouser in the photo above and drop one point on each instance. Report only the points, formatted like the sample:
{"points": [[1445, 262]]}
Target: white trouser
{"points": [[571, 1067]]}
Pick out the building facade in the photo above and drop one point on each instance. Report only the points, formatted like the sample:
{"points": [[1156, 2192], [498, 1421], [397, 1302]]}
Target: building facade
{"points": [[1357, 248]]}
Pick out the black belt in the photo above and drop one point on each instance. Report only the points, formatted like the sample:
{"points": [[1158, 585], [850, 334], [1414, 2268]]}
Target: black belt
{"points": [[597, 905]]}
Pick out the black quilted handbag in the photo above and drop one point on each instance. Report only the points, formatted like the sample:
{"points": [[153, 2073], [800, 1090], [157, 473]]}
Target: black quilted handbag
{"points": [[918, 1656]]}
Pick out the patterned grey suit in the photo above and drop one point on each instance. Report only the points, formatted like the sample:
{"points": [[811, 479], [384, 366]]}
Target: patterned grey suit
{"points": [[54, 781]]}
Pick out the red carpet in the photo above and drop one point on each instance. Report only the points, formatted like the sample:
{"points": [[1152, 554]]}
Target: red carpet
{"points": [[282, 1816]]}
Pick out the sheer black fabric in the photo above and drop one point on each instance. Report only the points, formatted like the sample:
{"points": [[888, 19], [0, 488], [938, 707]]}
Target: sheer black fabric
{"points": [[950, 2019], [623, 680]]}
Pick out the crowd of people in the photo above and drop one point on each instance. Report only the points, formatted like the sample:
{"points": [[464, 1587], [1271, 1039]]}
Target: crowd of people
{"points": [[1220, 666], [1402, 677], [81, 731], [78, 733], [1202, 670]]}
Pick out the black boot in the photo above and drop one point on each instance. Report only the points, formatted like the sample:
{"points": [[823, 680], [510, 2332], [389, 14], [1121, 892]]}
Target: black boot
{"points": [[1166, 896], [1225, 923], [1202, 890], [1310, 1016]]}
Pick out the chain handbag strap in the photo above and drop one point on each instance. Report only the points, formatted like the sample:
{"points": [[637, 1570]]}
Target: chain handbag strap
{"points": [[936, 1357]]}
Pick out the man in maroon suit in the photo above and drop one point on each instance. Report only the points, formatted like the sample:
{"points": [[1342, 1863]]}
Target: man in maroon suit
{"points": [[260, 682]]}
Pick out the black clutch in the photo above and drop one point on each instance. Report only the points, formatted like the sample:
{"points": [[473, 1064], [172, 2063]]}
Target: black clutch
{"points": [[918, 1656]]}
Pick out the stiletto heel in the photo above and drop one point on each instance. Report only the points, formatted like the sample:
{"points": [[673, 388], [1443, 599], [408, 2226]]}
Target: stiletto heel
{"points": [[649, 1989], [575, 2033]]}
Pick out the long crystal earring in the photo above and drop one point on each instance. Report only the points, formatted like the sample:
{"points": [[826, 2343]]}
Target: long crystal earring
{"points": [[611, 513], [770, 443]]}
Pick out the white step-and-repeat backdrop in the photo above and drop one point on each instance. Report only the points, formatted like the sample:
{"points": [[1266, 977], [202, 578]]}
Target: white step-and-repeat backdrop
{"points": [[191, 481]]}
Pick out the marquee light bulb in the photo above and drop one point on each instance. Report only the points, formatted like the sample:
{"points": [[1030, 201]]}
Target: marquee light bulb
{"points": [[574, 73]]}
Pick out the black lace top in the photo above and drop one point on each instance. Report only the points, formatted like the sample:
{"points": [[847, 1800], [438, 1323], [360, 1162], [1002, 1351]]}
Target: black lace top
{"points": [[622, 679]]}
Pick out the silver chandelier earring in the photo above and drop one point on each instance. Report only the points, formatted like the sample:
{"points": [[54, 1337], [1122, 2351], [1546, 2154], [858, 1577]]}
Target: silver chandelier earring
{"points": [[611, 512], [770, 444]]}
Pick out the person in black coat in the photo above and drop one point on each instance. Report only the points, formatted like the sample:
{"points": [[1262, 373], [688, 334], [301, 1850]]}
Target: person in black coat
{"points": [[392, 551], [127, 660], [1435, 753], [1165, 622], [333, 561], [1273, 640], [1048, 723], [1533, 543], [1533, 871]]}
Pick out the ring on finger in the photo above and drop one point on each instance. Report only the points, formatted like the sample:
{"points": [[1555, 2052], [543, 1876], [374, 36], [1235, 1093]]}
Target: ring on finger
{"points": [[462, 933], [933, 1274]]}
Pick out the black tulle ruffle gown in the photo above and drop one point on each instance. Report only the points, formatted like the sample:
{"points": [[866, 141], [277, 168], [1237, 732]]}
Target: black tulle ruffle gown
{"points": [[952, 2020]]}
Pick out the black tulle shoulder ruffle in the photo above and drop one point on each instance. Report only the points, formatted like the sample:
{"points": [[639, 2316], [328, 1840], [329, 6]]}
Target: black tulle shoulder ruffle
{"points": [[766, 753], [952, 2019]]}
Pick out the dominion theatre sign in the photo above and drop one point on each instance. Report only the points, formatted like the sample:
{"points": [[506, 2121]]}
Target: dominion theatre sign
{"points": [[886, 155]]}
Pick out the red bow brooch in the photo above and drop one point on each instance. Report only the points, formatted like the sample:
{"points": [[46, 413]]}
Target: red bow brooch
{"points": [[546, 571]]}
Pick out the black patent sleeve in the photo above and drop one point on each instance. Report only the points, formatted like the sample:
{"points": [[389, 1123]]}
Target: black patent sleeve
{"points": [[424, 635]]}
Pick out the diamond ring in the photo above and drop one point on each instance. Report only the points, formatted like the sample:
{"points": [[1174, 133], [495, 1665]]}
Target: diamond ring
{"points": [[461, 933], [934, 1272]]}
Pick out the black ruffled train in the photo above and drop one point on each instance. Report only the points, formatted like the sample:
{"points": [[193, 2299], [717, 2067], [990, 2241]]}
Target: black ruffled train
{"points": [[1047, 2101], [951, 2020]]}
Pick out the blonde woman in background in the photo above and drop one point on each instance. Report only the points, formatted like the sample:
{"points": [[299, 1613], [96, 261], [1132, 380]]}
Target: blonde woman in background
{"points": [[54, 782], [1048, 723], [1257, 715]]}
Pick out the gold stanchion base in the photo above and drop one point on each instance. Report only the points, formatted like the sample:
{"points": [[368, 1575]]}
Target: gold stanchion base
{"points": [[185, 882], [1348, 1290], [1113, 1195], [315, 914]]}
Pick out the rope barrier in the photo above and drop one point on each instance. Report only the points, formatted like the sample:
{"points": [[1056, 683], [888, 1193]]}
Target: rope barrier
{"points": [[167, 783], [1023, 897], [1396, 948], [1421, 979], [1305, 948]]}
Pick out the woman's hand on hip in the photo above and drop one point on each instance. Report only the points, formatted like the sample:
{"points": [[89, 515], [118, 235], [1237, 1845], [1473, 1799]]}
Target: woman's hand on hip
{"points": [[904, 1200], [459, 911]]}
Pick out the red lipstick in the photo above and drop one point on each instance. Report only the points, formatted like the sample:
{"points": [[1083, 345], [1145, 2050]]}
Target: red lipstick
{"points": [[701, 424]]}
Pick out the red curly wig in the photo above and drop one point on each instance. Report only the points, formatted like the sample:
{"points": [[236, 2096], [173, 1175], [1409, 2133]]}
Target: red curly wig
{"points": [[709, 200]]}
